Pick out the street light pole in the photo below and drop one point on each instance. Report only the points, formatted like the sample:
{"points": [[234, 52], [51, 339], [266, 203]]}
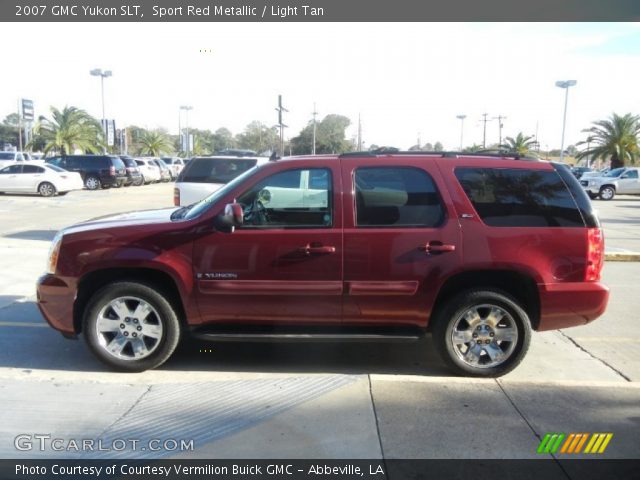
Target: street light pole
{"points": [[186, 108], [461, 118], [564, 84], [97, 72]]}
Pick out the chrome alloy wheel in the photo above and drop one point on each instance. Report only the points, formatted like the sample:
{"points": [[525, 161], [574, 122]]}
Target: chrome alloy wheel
{"points": [[129, 328], [484, 336]]}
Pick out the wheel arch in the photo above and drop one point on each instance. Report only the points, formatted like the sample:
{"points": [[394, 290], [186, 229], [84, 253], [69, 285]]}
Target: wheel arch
{"points": [[519, 285], [93, 281]]}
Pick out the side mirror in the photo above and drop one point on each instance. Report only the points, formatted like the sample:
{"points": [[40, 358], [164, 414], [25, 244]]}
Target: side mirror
{"points": [[232, 216]]}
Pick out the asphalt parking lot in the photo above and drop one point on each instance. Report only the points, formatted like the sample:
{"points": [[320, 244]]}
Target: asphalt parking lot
{"points": [[308, 401]]}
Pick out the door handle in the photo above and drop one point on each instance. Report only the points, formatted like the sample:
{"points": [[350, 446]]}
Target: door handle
{"points": [[317, 250], [438, 247]]}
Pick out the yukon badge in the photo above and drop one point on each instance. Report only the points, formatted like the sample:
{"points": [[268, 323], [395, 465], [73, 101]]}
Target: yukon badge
{"points": [[216, 276]]}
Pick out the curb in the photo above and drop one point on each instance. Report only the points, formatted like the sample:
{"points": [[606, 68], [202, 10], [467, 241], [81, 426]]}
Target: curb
{"points": [[622, 257]]}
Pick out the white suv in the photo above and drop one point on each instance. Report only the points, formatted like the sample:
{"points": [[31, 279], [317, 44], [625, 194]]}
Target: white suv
{"points": [[204, 175], [623, 181]]}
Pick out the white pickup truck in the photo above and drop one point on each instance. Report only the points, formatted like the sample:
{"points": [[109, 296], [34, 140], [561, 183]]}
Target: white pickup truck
{"points": [[7, 158]]}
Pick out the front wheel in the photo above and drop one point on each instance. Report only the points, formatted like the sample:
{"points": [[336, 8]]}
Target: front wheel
{"points": [[607, 193], [482, 333], [131, 327]]}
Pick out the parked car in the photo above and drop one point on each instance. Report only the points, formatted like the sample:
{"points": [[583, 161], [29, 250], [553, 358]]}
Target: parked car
{"points": [[134, 177], [150, 171], [97, 171], [165, 172], [8, 158], [623, 181], [204, 175], [579, 171], [388, 247], [175, 164], [47, 180]]}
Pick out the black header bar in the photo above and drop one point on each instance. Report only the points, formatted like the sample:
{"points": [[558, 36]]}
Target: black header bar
{"points": [[317, 10]]}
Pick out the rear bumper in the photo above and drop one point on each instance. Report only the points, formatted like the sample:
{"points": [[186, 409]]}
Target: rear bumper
{"points": [[55, 301], [565, 305]]}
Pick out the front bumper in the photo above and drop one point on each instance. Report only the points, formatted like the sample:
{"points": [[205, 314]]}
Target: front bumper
{"points": [[55, 300], [565, 305]]}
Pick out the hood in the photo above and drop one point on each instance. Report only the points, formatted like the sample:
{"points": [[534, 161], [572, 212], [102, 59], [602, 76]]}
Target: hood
{"points": [[144, 217]]}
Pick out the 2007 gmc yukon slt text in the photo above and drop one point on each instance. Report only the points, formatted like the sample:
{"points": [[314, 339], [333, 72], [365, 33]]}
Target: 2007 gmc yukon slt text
{"points": [[479, 250]]}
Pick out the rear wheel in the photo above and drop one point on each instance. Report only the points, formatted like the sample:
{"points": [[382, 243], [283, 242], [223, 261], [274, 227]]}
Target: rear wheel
{"points": [[130, 326], [482, 333], [93, 183], [607, 192], [46, 189]]}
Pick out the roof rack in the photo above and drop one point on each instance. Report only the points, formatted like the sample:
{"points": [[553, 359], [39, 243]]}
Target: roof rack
{"points": [[448, 154]]}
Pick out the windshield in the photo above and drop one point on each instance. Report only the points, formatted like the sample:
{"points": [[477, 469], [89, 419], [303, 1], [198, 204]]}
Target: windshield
{"points": [[616, 172], [54, 168], [203, 205]]}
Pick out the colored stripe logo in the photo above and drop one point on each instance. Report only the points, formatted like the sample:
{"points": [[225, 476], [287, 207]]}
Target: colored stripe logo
{"points": [[574, 443]]}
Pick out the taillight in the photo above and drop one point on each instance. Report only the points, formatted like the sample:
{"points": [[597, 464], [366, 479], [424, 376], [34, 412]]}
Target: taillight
{"points": [[112, 171], [595, 254], [176, 197]]}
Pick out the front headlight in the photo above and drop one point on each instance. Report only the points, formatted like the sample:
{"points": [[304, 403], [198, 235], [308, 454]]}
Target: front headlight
{"points": [[593, 183], [54, 251]]}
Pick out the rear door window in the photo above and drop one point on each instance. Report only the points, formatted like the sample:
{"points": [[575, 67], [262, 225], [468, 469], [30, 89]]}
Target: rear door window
{"points": [[399, 197], [32, 169], [506, 197]]}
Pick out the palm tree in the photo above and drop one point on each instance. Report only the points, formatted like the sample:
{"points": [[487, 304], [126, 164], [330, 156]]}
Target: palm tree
{"points": [[154, 143], [69, 129], [615, 138], [522, 145]]}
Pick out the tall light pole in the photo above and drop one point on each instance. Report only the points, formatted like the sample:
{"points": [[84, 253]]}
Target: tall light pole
{"points": [[186, 108], [564, 84], [461, 118], [97, 72], [314, 127]]}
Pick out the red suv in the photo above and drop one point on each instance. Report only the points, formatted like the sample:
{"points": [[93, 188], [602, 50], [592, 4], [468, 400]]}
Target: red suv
{"points": [[476, 249]]}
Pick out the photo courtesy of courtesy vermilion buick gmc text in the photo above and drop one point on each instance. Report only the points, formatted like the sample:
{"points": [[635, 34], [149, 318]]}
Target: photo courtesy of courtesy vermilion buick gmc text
{"points": [[478, 250]]}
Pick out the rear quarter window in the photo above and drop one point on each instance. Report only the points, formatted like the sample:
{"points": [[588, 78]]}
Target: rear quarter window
{"points": [[505, 197]]}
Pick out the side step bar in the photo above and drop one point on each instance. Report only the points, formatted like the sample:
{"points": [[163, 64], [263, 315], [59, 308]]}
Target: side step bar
{"points": [[302, 336]]}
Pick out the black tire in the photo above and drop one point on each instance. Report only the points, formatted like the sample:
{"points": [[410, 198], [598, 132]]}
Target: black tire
{"points": [[163, 314], [46, 189], [607, 193], [451, 315], [93, 183]]}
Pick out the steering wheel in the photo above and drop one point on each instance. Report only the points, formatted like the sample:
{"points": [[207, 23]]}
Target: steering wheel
{"points": [[255, 213]]}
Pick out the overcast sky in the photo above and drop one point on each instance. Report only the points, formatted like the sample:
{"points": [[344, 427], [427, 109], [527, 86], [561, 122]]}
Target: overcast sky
{"points": [[403, 79]]}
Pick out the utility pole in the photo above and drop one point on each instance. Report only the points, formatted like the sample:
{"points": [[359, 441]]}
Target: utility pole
{"points": [[281, 125], [314, 127], [484, 129], [500, 125], [359, 134]]}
